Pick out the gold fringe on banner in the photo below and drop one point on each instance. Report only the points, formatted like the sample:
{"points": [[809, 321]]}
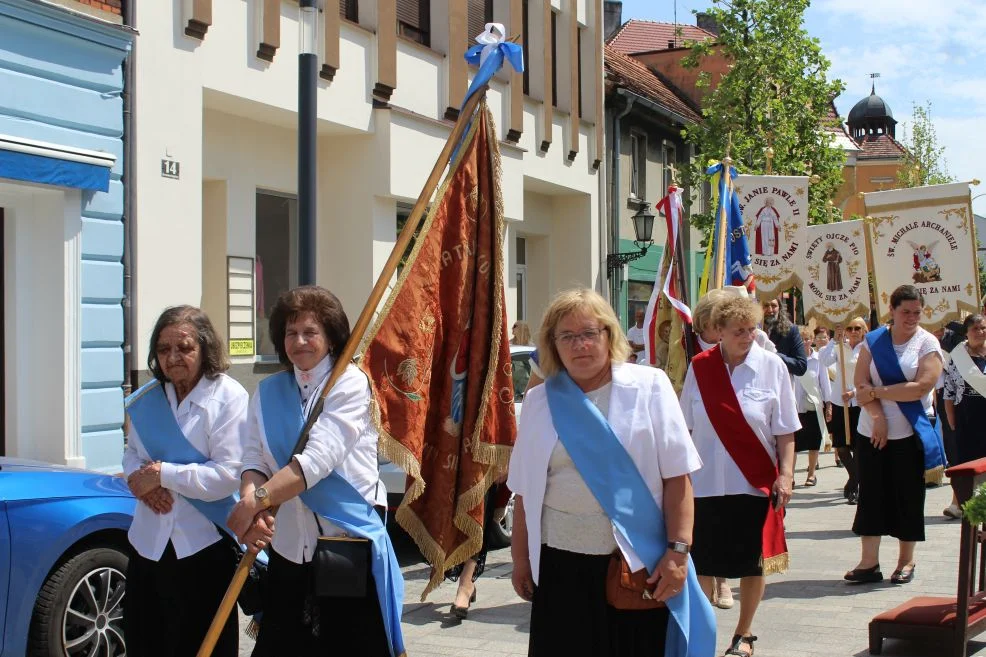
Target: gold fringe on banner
{"points": [[776, 564]]}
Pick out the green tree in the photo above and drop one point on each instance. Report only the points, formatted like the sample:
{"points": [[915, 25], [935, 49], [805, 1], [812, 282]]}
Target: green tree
{"points": [[924, 163], [775, 94]]}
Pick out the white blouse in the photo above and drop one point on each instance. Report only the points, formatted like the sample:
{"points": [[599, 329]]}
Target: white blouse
{"points": [[213, 418], [644, 415], [830, 359], [763, 387], [909, 354], [821, 374], [342, 440]]}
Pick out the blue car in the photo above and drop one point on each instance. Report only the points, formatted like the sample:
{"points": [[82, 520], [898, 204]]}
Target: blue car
{"points": [[63, 560]]}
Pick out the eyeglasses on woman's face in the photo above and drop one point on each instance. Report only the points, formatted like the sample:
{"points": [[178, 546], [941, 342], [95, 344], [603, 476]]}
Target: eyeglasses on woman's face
{"points": [[589, 336], [854, 328]]}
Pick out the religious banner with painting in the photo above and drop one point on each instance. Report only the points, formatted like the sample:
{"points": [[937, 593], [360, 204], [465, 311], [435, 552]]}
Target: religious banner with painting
{"points": [[925, 236], [836, 279], [775, 215]]}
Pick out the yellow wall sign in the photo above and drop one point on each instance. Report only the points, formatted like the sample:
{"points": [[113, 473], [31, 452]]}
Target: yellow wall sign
{"points": [[241, 347]]}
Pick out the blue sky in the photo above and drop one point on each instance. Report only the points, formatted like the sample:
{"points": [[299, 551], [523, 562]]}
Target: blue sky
{"points": [[923, 51]]}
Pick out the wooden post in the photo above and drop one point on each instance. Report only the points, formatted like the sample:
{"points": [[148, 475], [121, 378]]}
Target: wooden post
{"points": [[720, 270], [845, 388], [376, 295]]}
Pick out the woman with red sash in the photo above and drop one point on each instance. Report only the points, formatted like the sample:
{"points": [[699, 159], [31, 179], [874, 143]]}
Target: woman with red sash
{"points": [[898, 442], [739, 403], [566, 531]]}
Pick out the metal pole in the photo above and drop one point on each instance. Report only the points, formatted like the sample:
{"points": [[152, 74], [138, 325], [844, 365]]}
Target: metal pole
{"points": [[307, 154]]}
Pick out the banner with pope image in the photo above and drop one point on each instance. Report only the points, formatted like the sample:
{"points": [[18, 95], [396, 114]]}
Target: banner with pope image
{"points": [[775, 216], [925, 236], [836, 285]]}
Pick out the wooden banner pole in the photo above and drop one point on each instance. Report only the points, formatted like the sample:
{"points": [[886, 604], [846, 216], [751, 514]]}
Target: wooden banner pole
{"points": [[359, 329]]}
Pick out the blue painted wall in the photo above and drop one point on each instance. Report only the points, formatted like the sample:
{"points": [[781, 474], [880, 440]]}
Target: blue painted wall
{"points": [[62, 81]]}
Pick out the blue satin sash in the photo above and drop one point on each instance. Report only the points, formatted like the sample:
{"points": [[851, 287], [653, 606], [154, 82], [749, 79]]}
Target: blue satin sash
{"points": [[617, 485], [164, 440], [885, 359], [335, 498]]}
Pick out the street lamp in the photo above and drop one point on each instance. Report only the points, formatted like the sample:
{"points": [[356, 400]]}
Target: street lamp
{"points": [[307, 138], [643, 228]]}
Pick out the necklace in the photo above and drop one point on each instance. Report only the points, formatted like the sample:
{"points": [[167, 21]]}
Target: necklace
{"points": [[979, 353]]}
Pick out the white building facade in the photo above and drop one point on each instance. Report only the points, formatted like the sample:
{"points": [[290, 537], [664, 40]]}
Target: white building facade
{"points": [[216, 141]]}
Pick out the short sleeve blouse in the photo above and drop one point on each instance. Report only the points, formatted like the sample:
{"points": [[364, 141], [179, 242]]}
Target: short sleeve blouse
{"points": [[909, 354]]}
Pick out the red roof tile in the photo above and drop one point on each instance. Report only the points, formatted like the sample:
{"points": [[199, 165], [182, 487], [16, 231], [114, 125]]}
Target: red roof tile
{"points": [[627, 72], [880, 147], [646, 36]]}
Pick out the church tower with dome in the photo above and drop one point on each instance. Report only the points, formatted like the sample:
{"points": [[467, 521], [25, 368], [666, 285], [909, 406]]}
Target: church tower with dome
{"points": [[874, 157]]}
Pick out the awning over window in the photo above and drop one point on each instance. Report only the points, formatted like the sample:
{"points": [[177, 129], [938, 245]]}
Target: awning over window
{"points": [[54, 164]]}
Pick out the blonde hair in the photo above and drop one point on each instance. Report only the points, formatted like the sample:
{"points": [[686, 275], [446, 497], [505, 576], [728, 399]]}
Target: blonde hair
{"points": [[579, 300], [737, 309], [523, 332], [702, 313], [863, 322]]}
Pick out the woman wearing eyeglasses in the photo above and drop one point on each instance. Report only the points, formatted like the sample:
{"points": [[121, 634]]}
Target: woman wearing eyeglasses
{"points": [[850, 345], [738, 401], [597, 433]]}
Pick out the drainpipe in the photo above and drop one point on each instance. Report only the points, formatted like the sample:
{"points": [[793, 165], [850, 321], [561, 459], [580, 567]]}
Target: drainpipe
{"points": [[129, 205], [614, 207]]}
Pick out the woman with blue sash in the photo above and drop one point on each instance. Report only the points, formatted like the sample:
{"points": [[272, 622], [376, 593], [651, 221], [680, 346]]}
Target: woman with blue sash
{"points": [[895, 378], [601, 476], [330, 489], [182, 462]]}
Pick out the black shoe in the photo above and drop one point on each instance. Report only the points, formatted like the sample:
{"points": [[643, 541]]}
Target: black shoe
{"points": [[463, 612], [903, 575], [864, 575], [852, 498]]}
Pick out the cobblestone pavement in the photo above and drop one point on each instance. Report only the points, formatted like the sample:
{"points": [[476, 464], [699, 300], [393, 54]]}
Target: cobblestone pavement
{"points": [[807, 612]]}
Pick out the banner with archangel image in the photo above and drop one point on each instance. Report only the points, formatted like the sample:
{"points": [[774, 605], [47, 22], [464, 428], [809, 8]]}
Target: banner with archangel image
{"points": [[925, 236], [836, 285], [775, 215]]}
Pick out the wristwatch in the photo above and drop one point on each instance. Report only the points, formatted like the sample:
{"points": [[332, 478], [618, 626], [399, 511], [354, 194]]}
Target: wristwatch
{"points": [[679, 547], [262, 496]]}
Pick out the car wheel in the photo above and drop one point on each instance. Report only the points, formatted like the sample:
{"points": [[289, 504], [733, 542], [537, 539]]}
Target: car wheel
{"points": [[502, 531], [79, 611]]}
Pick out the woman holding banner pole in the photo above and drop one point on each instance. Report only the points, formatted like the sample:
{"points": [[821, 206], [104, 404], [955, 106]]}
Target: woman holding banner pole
{"points": [[738, 401], [895, 379], [605, 577], [845, 416]]}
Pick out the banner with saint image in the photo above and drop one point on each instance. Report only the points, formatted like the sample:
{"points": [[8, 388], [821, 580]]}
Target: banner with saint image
{"points": [[925, 236], [836, 285], [775, 216]]}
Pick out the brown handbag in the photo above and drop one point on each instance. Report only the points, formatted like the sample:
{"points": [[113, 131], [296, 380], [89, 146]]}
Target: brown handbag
{"points": [[626, 590]]}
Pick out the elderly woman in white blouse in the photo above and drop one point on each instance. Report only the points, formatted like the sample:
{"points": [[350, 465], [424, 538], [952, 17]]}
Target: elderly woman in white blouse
{"points": [[330, 489], [594, 415], [182, 461], [739, 403]]}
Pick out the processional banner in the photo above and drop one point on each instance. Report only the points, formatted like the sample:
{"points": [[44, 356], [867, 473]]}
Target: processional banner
{"points": [[775, 217], [925, 236], [836, 285]]}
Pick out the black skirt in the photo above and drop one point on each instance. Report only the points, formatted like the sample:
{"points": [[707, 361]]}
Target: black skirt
{"points": [[809, 436], [296, 624], [728, 535], [570, 615], [891, 489], [170, 603], [837, 427], [970, 439]]}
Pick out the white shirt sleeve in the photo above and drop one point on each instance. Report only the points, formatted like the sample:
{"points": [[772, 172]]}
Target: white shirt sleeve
{"points": [[253, 446], [824, 384], [785, 417], [131, 459], [337, 430], [688, 391], [219, 476], [677, 455], [517, 472]]}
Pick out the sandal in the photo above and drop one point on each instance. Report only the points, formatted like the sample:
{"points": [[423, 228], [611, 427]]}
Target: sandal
{"points": [[734, 647], [903, 575], [811, 481], [864, 575]]}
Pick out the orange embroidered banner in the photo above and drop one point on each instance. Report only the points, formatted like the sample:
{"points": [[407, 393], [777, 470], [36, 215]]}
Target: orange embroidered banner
{"points": [[439, 360]]}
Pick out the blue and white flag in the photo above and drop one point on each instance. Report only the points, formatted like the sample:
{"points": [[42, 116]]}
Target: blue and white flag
{"points": [[740, 266]]}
